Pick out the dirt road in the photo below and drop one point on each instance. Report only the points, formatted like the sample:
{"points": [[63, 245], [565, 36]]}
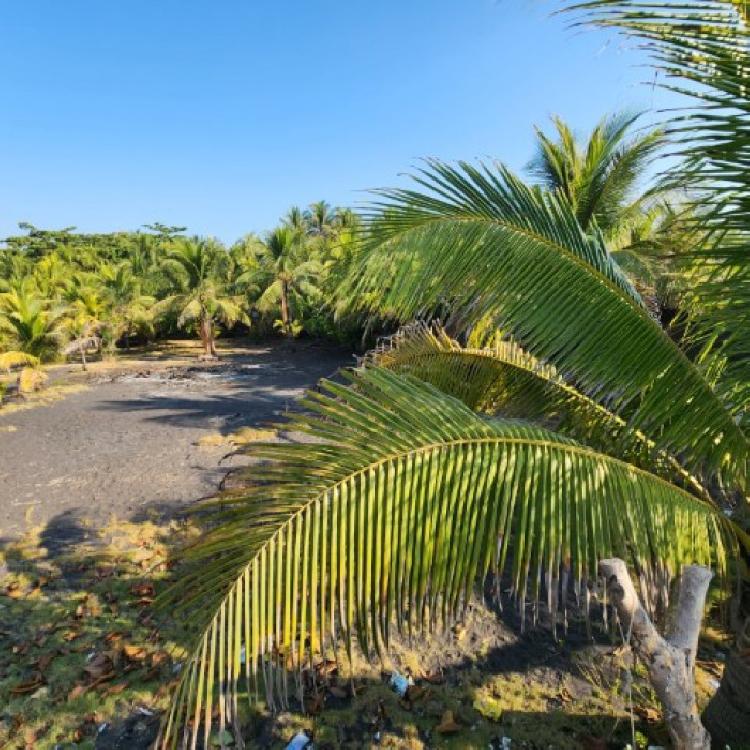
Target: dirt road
{"points": [[128, 447]]}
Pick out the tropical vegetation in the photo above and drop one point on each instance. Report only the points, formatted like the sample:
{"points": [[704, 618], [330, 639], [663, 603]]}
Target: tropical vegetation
{"points": [[418, 480], [66, 293]]}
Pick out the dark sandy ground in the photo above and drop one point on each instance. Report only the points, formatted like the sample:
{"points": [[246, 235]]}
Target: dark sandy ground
{"points": [[127, 445]]}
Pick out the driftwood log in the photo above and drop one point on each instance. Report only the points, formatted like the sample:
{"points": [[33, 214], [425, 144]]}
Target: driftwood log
{"points": [[670, 660]]}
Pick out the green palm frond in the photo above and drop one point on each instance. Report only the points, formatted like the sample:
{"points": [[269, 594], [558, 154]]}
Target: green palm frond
{"points": [[494, 249], [504, 379], [597, 178], [702, 50], [403, 500]]}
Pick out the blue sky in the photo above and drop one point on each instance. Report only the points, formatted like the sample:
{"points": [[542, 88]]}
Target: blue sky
{"points": [[220, 114]]}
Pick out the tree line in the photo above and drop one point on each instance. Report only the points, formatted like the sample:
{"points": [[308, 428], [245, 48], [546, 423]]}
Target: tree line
{"points": [[66, 292]]}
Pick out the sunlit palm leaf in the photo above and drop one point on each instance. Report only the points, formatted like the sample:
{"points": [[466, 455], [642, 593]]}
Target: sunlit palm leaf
{"points": [[506, 380], [9, 360], [497, 249], [702, 48], [402, 502]]}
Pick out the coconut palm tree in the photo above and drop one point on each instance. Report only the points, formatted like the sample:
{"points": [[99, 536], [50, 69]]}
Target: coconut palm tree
{"points": [[599, 177], [128, 310], [29, 324], [320, 218], [197, 268], [283, 269]]}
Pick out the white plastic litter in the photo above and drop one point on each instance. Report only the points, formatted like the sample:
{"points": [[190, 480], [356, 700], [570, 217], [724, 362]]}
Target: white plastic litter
{"points": [[400, 683], [299, 741]]}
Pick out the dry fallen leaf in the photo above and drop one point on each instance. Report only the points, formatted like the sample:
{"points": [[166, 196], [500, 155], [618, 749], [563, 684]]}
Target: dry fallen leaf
{"points": [[116, 689], [448, 724], [143, 589], [134, 653], [30, 686]]}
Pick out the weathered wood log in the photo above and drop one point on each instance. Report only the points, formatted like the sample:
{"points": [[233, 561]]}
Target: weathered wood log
{"points": [[670, 660]]}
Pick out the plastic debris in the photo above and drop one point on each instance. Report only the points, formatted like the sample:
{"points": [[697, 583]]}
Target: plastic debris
{"points": [[400, 683], [299, 741]]}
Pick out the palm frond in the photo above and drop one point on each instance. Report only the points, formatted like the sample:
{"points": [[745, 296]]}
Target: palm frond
{"points": [[9, 360], [400, 503], [491, 248], [701, 48], [506, 380]]}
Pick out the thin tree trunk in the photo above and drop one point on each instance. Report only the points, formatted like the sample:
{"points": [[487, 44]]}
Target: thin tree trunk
{"points": [[670, 661], [83, 357], [206, 331], [285, 308]]}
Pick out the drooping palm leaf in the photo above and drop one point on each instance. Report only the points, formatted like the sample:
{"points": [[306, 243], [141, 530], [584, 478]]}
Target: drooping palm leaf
{"points": [[701, 48], [497, 249], [507, 380], [9, 360], [404, 499]]}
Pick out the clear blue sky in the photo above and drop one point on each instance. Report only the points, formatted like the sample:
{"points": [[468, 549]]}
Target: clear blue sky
{"points": [[220, 114]]}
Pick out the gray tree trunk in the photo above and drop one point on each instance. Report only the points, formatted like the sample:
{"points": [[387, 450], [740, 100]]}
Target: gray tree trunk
{"points": [[670, 661]]}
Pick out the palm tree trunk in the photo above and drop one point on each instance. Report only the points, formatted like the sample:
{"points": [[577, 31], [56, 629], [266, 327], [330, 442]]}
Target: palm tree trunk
{"points": [[285, 308], [206, 331]]}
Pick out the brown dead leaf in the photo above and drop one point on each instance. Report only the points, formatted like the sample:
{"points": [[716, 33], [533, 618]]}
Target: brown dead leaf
{"points": [[158, 658], [30, 686], [448, 724], [77, 692], [71, 635], [143, 589], [134, 653], [647, 713], [116, 689]]}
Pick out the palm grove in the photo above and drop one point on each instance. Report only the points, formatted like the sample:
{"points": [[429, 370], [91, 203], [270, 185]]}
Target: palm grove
{"points": [[66, 293], [585, 395]]}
